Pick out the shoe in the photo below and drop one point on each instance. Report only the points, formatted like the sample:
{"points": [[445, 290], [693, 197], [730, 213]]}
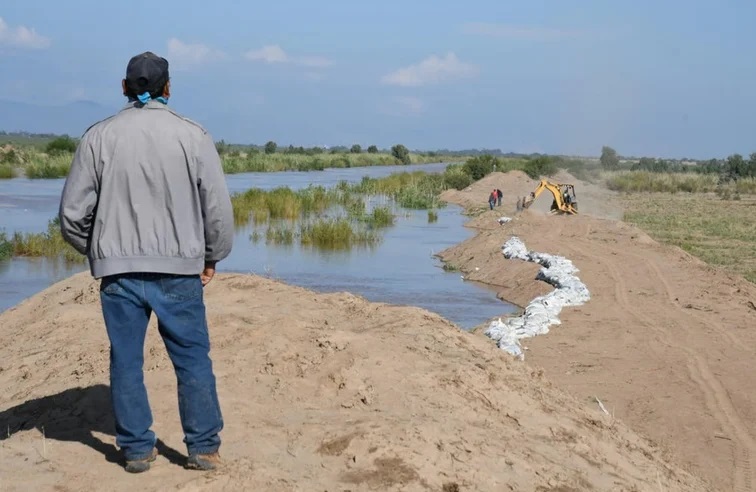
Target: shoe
{"points": [[140, 466], [204, 462]]}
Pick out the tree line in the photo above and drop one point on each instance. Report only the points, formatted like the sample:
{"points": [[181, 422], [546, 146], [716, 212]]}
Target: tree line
{"points": [[398, 151], [733, 167]]}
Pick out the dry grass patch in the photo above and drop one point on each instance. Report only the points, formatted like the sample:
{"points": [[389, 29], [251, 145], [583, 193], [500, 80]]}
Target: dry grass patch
{"points": [[720, 232]]}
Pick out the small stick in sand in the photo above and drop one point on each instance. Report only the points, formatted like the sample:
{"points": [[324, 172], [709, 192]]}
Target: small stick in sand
{"points": [[601, 405]]}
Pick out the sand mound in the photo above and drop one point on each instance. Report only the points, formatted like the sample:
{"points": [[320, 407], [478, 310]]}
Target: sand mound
{"points": [[593, 200], [666, 342], [319, 392]]}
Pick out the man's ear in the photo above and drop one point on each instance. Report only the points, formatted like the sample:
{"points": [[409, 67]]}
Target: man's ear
{"points": [[167, 89], [123, 86]]}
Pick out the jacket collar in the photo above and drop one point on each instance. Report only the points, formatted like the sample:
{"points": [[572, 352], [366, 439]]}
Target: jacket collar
{"points": [[150, 105]]}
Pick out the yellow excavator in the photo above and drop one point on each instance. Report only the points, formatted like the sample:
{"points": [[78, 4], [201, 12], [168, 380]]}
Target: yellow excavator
{"points": [[565, 200]]}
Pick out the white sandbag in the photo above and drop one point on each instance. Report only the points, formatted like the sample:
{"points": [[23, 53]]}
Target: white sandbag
{"points": [[543, 311]]}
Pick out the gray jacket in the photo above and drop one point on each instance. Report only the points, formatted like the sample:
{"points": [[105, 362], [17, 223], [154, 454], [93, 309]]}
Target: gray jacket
{"points": [[146, 193]]}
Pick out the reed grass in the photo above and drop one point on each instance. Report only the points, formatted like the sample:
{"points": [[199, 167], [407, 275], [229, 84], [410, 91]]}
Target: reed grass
{"points": [[7, 171], [411, 190], [380, 217], [48, 244], [48, 167], [260, 206], [281, 234], [336, 234], [646, 181]]}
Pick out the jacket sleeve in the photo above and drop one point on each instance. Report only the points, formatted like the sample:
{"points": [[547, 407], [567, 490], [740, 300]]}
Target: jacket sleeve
{"points": [[215, 201], [78, 200]]}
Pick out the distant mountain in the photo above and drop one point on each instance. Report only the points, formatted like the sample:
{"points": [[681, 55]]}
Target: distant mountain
{"points": [[71, 118]]}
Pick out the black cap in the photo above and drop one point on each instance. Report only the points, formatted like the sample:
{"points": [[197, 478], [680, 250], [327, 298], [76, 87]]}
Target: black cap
{"points": [[146, 72]]}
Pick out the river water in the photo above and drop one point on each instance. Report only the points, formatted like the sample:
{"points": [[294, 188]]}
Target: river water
{"points": [[400, 270]]}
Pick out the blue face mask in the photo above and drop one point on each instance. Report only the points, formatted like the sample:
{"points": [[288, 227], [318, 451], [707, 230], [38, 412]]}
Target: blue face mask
{"points": [[145, 98]]}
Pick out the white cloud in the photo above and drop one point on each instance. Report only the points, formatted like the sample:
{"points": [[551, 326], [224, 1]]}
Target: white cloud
{"points": [[528, 33], [186, 55], [268, 54], [273, 53], [21, 37], [432, 70]]}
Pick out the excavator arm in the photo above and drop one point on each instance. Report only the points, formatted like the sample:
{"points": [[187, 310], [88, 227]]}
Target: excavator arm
{"points": [[564, 202]]}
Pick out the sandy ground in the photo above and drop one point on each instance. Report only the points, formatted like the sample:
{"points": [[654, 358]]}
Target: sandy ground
{"points": [[320, 392], [666, 342]]}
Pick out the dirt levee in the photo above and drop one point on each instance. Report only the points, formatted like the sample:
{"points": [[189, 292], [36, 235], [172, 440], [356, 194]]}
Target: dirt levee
{"points": [[666, 342], [319, 392], [593, 200]]}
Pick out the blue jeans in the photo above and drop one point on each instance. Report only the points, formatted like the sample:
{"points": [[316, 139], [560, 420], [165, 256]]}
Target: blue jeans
{"points": [[128, 301]]}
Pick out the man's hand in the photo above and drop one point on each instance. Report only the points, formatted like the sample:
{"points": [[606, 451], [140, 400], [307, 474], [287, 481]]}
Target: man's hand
{"points": [[207, 274]]}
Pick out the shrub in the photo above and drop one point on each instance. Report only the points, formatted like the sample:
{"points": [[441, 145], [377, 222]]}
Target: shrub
{"points": [[458, 181], [540, 166], [478, 167], [61, 145], [8, 157], [401, 154]]}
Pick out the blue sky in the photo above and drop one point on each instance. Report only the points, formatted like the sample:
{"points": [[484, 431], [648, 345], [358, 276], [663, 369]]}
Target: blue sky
{"points": [[669, 78]]}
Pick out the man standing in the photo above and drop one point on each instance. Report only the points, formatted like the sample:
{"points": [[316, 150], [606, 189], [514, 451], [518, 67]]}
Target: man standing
{"points": [[146, 201]]}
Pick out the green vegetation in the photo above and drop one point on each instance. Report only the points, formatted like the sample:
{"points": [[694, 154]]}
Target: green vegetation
{"points": [[535, 167], [281, 234], [271, 147], [412, 190], [7, 171], [379, 217], [335, 234], [432, 216], [719, 232], [233, 164], [540, 166], [61, 145], [401, 154], [48, 244], [609, 158], [654, 182], [261, 206], [53, 166], [53, 159]]}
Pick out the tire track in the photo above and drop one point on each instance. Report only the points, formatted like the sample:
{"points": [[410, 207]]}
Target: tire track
{"points": [[715, 395], [714, 323]]}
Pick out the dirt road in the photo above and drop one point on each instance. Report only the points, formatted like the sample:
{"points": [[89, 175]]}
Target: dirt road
{"points": [[666, 342]]}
